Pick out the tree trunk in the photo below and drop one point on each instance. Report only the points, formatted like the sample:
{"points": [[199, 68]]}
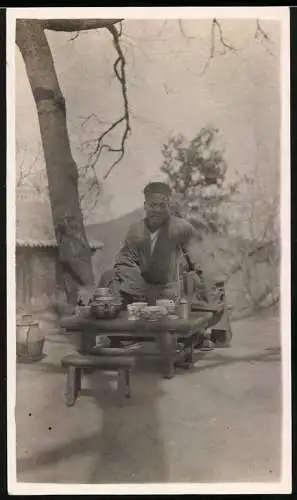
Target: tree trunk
{"points": [[74, 251]]}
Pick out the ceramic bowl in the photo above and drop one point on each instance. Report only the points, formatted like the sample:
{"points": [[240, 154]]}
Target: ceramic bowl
{"points": [[153, 313], [168, 304]]}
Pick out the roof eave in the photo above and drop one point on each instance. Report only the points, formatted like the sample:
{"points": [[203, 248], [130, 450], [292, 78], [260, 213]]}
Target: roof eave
{"points": [[32, 244]]}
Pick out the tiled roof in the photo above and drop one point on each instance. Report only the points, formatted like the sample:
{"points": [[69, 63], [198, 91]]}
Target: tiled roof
{"points": [[34, 224]]}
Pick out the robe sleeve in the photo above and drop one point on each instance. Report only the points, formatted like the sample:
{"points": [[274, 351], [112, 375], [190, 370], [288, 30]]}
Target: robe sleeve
{"points": [[190, 237], [127, 256]]}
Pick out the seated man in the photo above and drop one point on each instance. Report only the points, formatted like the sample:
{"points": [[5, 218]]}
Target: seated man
{"points": [[149, 262]]}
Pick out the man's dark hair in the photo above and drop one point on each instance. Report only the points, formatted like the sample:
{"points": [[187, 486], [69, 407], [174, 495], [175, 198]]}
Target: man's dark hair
{"points": [[157, 187]]}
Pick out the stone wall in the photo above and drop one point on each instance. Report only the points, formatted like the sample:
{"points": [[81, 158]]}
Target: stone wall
{"points": [[36, 277]]}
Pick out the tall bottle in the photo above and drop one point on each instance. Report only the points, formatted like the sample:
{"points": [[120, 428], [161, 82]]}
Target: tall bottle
{"points": [[183, 302]]}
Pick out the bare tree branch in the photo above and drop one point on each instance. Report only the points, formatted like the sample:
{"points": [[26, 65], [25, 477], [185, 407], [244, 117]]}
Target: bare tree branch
{"points": [[77, 24], [74, 37], [264, 38], [121, 28], [261, 33], [86, 119], [238, 265], [216, 27], [226, 46], [119, 70], [212, 48], [25, 172], [181, 27], [162, 29], [92, 191]]}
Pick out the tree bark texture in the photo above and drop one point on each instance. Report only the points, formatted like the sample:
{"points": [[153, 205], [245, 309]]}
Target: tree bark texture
{"points": [[74, 250]]}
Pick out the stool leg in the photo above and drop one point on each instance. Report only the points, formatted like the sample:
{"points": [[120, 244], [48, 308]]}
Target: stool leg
{"points": [[78, 374], [121, 386], [71, 386], [127, 383]]}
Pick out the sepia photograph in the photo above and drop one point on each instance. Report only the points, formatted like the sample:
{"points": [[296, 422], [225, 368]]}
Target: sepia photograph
{"points": [[148, 250]]}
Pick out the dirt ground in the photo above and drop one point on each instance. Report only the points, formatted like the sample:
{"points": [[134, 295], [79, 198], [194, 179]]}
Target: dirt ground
{"points": [[218, 422]]}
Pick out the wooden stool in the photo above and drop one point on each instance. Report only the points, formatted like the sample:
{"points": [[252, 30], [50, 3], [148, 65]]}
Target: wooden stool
{"points": [[77, 363]]}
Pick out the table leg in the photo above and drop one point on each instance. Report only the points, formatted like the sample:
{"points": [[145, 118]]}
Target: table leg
{"points": [[71, 389], [168, 353], [128, 384], [189, 354], [78, 375], [86, 342], [185, 358], [121, 386]]}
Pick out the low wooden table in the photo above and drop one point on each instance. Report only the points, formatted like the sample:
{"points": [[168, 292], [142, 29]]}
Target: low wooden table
{"points": [[165, 332]]}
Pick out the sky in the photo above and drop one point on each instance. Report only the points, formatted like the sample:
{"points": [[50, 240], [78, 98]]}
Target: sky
{"points": [[170, 91]]}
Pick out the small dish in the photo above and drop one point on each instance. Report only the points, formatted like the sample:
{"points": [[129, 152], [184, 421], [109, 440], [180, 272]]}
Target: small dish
{"points": [[154, 313], [168, 304]]}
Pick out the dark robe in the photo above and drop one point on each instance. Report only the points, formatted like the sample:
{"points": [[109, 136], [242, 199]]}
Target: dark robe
{"points": [[151, 275]]}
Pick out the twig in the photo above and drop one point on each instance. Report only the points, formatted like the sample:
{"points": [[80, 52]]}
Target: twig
{"points": [[25, 174], [222, 39], [93, 190], [86, 119], [99, 140], [121, 151], [227, 47], [261, 35], [162, 29], [76, 35], [212, 48], [181, 27]]}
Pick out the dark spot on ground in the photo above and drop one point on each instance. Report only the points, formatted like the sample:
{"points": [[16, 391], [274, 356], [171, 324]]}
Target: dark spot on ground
{"points": [[49, 428]]}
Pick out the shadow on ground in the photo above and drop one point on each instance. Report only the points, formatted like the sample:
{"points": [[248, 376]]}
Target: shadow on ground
{"points": [[134, 449], [150, 365], [219, 421], [216, 360], [128, 446]]}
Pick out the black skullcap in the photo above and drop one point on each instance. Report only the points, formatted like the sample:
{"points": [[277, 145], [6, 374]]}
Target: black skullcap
{"points": [[157, 187]]}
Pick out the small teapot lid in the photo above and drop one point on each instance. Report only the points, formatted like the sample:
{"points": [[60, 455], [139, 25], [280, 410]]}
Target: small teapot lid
{"points": [[109, 298]]}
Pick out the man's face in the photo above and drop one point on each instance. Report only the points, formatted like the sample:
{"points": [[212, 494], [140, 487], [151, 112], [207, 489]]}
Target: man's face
{"points": [[156, 208]]}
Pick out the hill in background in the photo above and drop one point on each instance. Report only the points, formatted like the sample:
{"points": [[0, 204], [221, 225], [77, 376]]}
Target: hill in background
{"points": [[112, 234]]}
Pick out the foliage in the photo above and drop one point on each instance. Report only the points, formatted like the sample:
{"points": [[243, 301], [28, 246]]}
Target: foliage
{"points": [[196, 171], [240, 242]]}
